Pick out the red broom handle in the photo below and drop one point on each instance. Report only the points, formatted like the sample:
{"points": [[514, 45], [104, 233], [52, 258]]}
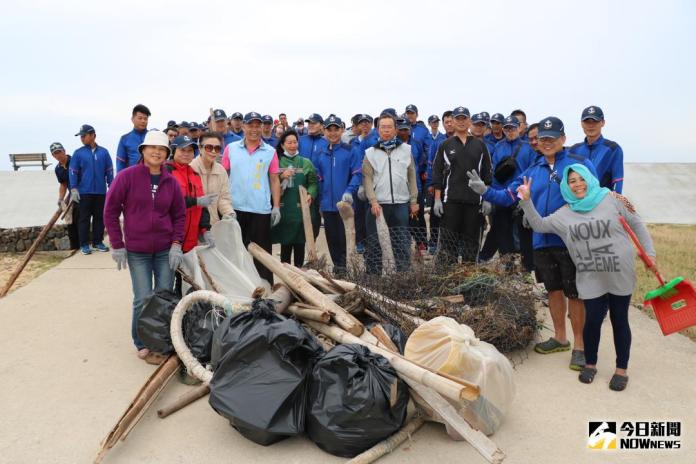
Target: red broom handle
{"points": [[649, 263]]}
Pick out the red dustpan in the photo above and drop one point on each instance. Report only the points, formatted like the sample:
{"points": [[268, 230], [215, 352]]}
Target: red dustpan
{"points": [[674, 302]]}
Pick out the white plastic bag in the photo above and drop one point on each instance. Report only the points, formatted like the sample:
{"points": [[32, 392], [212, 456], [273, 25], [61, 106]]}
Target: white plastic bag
{"points": [[449, 347], [228, 240]]}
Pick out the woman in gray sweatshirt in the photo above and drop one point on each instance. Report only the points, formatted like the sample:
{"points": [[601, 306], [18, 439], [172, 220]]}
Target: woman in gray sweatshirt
{"points": [[604, 259]]}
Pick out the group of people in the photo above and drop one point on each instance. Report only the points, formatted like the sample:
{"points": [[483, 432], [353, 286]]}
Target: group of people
{"points": [[558, 206]]}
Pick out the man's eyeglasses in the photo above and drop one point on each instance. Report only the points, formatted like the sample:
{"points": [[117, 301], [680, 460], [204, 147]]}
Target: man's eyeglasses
{"points": [[212, 148]]}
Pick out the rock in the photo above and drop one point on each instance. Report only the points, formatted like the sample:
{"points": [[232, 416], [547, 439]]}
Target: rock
{"points": [[19, 246]]}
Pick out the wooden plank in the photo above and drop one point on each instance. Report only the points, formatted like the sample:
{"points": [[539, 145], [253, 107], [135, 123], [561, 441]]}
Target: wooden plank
{"points": [[307, 223]]}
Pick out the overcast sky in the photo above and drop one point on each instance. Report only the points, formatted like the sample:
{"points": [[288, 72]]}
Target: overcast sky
{"points": [[71, 62]]}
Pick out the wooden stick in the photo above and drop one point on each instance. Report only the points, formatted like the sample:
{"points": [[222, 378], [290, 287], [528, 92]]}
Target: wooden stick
{"points": [[345, 209], [204, 270], [388, 263], [188, 279], [329, 279], [282, 297], [378, 331], [312, 314], [446, 387], [307, 291], [30, 252], [144, 398], [307, 222], [318, 283], [184, 400], [390, 444]]}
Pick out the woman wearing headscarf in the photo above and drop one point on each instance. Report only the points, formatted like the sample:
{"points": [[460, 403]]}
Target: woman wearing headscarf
{"points": [[603, 255], [294, 171], [154, 213]]}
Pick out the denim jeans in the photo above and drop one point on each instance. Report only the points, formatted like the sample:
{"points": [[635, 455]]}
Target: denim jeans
{"points": [[143, 267]]}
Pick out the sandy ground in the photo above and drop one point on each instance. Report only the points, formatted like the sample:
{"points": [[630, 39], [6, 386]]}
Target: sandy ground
{"points": [[40, 262], [69, 369]]}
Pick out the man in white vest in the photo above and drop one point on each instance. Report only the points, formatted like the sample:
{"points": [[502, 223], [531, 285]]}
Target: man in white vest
{"points": [[389, 180], [254, 185]]}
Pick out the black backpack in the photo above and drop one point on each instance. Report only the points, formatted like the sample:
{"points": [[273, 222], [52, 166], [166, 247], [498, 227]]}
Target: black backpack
{"points": [[507, 166]]}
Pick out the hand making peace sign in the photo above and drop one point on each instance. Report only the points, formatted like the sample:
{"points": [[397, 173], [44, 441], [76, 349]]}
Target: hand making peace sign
{"points": [[524, 190]]}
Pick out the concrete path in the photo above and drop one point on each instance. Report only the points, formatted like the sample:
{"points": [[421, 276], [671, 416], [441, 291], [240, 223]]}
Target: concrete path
{"points": [[68, 370]]}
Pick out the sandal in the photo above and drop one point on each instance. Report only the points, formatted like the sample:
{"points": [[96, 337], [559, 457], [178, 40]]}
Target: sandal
{"points": [[143, 352], [587, 374], [155, 358], [618, 382], [551, 346], [577, 360]]}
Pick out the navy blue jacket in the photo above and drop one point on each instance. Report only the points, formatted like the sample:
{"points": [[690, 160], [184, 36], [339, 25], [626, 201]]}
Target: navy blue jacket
{"points": [[127, 153], [546, 191], [422, 134], [607, 156], [62, 173], [229, 137], [339, 170], [272, 141], [524, 158], [491, 140], [434, 145], [369, 141], [310, 146], [91, 172]]}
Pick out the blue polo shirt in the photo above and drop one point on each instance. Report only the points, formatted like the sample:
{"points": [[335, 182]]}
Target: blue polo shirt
{"points": [[127, 153], [63, 172]]}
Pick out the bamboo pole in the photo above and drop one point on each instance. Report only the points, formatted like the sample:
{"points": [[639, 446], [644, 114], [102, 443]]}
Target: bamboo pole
{"points": [[307, 291], [184, 400], [385, 447], [345, 210], [143, 399], [282, 297], [308, 229], [312, 314], [318, 283], [446, 387], [30, 253]]}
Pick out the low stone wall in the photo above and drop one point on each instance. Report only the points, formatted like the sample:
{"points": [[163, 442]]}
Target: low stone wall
{"points": [[20, 239]]}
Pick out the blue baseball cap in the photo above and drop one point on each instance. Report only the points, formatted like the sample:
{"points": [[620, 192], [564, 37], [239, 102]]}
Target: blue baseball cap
{"points": [[551, 127], [252, 116], [185, 124], [403, 123], [511, 121], [267, 119], [56, 146], [315, 117], [411, 109], [433, 118], [486, 116], [194, 126], [237, 115], [219, 115], [183, 141], [460, 111], [365, 117], [391, 111], [592, 112], [478, 118], [498, 117], [84, 130], [333, 120], [172, 123]]}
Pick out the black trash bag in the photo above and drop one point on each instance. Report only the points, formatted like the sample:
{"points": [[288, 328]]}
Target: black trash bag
{"points": [[349, 401], [395, 334], [198, 325], [155, 319], [261, 382]]}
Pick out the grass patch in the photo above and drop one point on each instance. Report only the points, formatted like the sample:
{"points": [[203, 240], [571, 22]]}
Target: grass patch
{"points": [[676, 256]]}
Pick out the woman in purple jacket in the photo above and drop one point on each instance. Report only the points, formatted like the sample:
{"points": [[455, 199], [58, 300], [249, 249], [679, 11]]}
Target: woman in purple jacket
{"points": [[154, 213]]}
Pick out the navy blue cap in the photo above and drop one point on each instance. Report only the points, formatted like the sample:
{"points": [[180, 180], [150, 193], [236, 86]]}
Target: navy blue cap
{"points": [[332, 120], [237, 115], [267, 119], [219, 115], [478, 118], [252, 116], [460, 111], [403, 123], [551, 127], [391, 111], [592, 112], [315, 117], [486, 116], [172, 123], [412, 108], [498, 117], [365, 117], [85, 129], [56, 146], [185, 124], [511, 121], [433, 118], [183, 141], [194, 126]]}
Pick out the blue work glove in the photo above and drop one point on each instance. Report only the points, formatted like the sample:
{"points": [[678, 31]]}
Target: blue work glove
{"points": [[176, 257], [74, 195], [275, 217], [208, 239], [119, 255], [475, 182], [347, 197], [206, 200], [438, 209]]}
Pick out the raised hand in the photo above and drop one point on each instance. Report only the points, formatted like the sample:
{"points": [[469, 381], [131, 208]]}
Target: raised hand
{"points": [[524, 190]]}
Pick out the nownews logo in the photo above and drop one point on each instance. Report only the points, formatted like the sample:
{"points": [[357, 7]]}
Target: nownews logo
{"points": [[634, 435]]}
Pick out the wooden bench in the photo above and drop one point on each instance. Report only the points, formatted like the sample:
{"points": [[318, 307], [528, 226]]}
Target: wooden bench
{"points": [[28, 159]]}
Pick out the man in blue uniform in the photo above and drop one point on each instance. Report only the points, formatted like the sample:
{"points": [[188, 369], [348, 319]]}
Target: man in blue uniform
{"points": [[127, 153], [496, 134], [606, 155], [419, 132], [62, 174], [267, 130], [220, 125], [314, 142]]}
